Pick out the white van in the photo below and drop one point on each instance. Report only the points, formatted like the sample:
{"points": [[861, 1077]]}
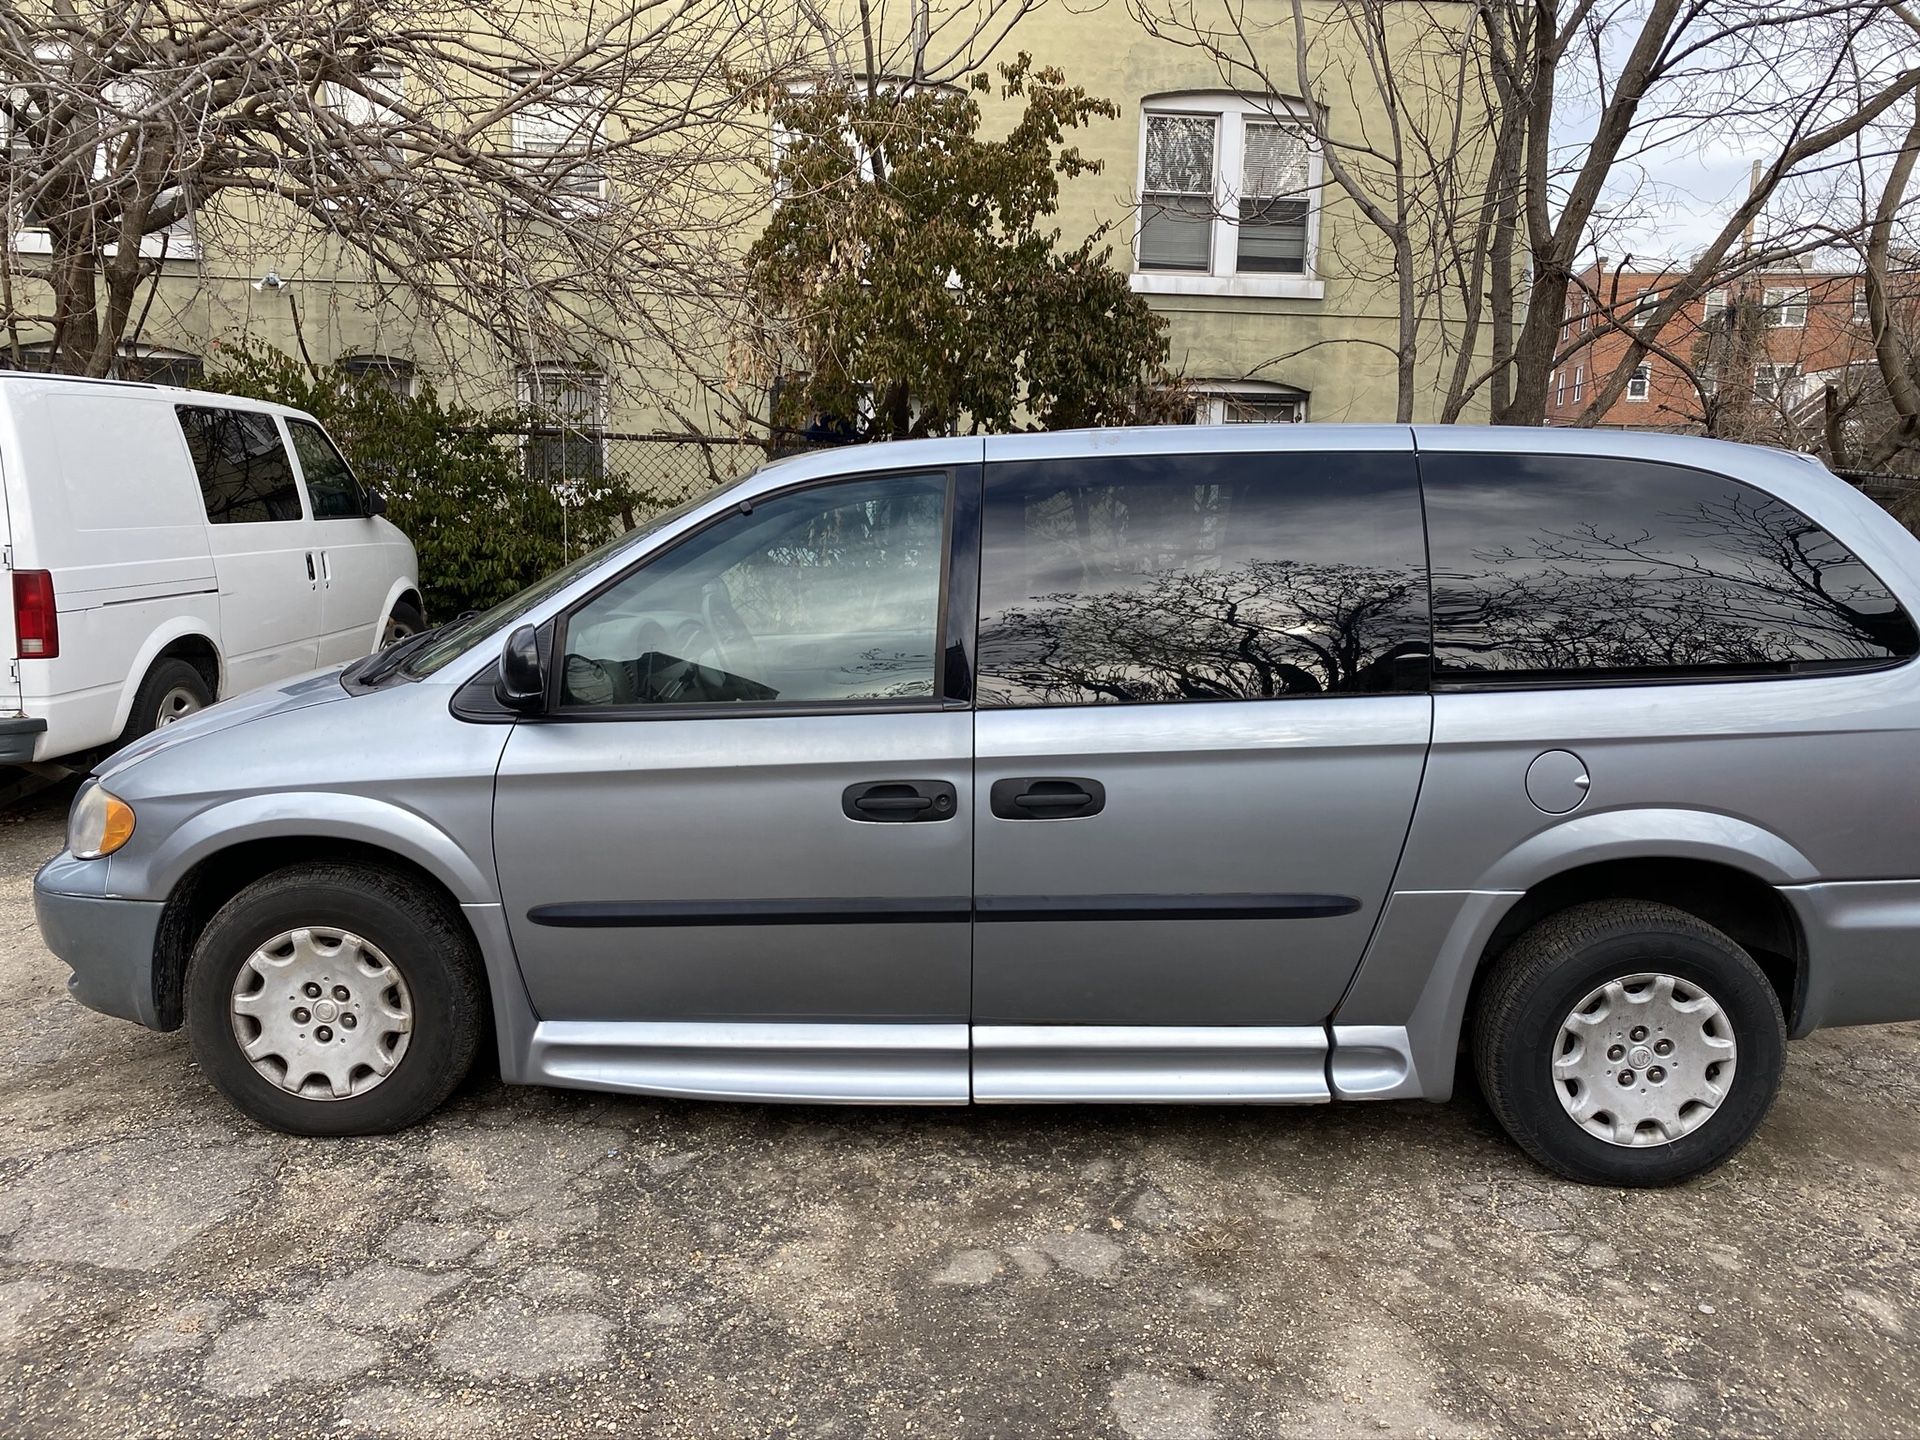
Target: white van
{"points": [[170, 547]]}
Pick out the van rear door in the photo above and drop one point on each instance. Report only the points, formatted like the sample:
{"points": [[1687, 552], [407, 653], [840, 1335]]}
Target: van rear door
{"points": [[9, 648]]}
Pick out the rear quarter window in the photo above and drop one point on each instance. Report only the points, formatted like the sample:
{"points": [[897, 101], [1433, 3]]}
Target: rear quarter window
{"points": [[1589, 569], [1133, 579]]}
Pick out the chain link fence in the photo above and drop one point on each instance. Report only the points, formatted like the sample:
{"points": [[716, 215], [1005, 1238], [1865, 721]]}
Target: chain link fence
{"points": [[649, 472], [656, 472]]}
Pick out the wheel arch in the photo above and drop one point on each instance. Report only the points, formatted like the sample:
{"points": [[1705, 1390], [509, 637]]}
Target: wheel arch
{"points": [[1423, 967], [183, 637], [1734, 900]]}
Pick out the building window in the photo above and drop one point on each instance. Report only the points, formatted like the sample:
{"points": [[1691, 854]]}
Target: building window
{"points": [[1579, 379], [1716, 306], [1640, 382], [557, 134], [567, 405], [1248, 403], [1707, 380], [1226, 198], [1647, 301], [1786, 309], [385, 372], [1775, 382], [161, 367], [1559, 387], [369, 103], [1861, 314]]}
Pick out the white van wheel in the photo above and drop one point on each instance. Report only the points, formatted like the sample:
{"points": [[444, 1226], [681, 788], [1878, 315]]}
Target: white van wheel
{"points": [[176, 704], [173, 690]]}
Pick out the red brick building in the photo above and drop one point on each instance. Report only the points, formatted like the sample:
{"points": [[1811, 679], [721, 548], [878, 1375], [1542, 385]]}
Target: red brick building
{"points": [[1744, 360]]}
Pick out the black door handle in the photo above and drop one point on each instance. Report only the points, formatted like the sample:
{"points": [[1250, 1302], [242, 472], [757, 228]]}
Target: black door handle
{"points": [[900, 801], [1049, 797]]}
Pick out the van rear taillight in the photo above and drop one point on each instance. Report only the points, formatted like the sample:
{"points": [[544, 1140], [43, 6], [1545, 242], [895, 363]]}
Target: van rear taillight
{"points": [[36, 626]]}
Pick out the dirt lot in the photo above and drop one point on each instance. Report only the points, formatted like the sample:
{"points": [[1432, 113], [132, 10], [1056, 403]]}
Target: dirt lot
{"points": [[536, 1263]]}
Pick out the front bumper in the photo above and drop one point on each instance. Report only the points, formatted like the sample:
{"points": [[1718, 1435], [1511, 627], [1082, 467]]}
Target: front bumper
{"points": [[107, 943], [18, 734]]}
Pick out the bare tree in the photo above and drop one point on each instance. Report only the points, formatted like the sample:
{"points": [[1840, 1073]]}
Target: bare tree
{"points": [[1494, 147], [543, 182]]}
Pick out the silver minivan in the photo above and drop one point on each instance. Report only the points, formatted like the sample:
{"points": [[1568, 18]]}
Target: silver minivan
{"points": [[1239, 765]]}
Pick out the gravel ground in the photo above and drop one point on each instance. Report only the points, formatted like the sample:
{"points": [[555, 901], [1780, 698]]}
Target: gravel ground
{"points": [[536, 1263]]}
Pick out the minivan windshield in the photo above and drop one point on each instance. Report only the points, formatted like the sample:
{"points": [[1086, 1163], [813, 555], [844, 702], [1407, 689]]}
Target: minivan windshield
{"points": [[460, 636]]}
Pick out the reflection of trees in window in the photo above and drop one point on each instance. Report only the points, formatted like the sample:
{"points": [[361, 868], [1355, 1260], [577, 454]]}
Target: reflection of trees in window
{"points": [[1735, 578], [1257, 630]]}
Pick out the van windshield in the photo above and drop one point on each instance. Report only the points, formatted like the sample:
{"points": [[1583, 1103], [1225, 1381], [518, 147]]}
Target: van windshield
{"points": [[459, 636]]}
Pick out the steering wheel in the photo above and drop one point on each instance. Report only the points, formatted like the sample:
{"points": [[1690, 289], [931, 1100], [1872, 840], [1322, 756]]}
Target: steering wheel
{"points": [[732, 641]]}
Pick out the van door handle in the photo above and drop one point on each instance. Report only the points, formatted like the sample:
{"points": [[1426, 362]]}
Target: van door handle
{"points": [[312, 578], [1049, 797], [326, 569], [900, 801]]}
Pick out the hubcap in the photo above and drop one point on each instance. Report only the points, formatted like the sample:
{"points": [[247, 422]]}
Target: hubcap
{"points": [[176, 704], [1644, 1060], [396, 631], [321, 1013]]}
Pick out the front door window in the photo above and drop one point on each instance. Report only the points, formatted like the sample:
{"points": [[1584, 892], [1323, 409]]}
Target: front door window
{"points": [[823, 596]]}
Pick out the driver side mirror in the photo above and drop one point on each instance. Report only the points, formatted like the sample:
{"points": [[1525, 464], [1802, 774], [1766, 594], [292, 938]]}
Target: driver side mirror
{"points": [[522, 682], [376, 503]]}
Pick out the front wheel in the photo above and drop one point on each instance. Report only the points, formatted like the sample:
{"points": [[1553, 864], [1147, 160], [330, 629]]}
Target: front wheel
{"points": [[405, 620], [1622, 1042], [335, 999]]}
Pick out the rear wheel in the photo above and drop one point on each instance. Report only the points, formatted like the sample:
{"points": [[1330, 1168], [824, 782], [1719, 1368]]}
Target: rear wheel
{"points": [[335, 999], [172, 690], [1627, 1043]]}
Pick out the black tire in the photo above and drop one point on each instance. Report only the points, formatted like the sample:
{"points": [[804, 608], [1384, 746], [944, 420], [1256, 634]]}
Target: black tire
{"points": [[1533, 989], [169, 677], [406, 619], [422, 936]]}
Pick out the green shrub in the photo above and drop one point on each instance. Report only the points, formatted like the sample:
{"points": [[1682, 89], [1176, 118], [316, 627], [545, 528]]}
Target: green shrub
{"points": [[452, 478]]}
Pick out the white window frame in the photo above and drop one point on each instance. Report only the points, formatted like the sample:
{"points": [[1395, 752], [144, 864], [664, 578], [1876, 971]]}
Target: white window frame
{"points": [[1775, 377], [1640, 382], [1231, 114], [1213, 401], [178, 241], [1862, 312], [384, 78], [1717, 303], [1579, 381], [1783, 310], [577, 113], [1559, 387]]}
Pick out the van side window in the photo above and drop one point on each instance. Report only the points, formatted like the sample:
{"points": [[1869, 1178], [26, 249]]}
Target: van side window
{"points": [[1201, 577], [1576, 569], [331, 488], [245, 476]]}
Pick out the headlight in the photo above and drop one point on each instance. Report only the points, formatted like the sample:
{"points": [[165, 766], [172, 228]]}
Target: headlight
{"points": [[99, 823]]}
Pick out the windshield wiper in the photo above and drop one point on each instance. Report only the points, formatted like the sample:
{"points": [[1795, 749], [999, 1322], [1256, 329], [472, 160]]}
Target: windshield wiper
{"points": [[379, 666]]}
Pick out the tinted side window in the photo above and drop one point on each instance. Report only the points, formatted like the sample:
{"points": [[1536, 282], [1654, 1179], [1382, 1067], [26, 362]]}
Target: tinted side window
{"points": [[244, 472], [824, 595], [1573, 568], [330, 484], [1202, 577]]}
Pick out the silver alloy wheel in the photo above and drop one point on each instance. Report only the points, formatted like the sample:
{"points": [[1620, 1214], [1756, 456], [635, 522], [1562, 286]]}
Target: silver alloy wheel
{"points": [[176, 704], [395, 631], [321, 1013], [1644, 1059]]}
